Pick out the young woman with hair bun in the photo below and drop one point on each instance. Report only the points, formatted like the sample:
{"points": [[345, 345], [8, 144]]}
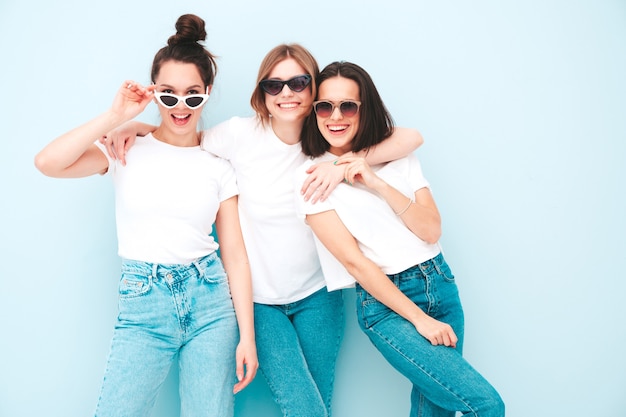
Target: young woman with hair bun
{"points": [[177, 298]]}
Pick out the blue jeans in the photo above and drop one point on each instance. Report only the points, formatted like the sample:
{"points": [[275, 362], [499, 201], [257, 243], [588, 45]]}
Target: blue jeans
{"points": [[297, 347], [169, 311], [443, 382]]}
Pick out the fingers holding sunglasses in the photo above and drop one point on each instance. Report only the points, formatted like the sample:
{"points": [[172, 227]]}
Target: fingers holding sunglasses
{"points": [[131, 99]]}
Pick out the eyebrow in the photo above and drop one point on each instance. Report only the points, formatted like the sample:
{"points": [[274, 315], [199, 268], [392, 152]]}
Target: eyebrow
{"points": [[196, 86]]}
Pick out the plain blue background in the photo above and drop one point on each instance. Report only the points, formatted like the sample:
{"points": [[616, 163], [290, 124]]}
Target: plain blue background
{"points": [[523, 108]]}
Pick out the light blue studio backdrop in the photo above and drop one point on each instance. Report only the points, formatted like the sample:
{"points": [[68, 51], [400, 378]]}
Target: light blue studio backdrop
{"points": [[522, 105]]}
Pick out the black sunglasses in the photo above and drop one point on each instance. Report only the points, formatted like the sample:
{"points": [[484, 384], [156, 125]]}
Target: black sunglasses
{"points": [[297, 84], [325, 108]]}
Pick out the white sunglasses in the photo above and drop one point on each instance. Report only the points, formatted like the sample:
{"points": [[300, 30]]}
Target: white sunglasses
{"points": [[193, 101]]}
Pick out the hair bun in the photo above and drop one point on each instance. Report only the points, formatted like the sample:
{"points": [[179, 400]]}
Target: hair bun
{"points": [[189, 29]]}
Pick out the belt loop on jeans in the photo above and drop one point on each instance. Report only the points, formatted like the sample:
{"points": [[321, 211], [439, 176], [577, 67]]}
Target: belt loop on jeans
{"points": [[154, 270], [196, 263]]}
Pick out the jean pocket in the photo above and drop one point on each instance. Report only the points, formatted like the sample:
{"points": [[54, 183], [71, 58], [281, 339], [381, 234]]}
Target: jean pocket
{"points": [[132, 285], [214, 273], [445, 271], [369, 310]]}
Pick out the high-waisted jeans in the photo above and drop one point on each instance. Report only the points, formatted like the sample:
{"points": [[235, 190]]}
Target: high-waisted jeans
{"points": [[443, 382], [297, 346], [169, 311]]}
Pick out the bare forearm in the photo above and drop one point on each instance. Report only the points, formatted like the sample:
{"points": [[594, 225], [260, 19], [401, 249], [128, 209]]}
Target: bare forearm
{"points": [[401, 143], [143, 128], [376, 283], [65, 150], [424, 221], [241, 291]]}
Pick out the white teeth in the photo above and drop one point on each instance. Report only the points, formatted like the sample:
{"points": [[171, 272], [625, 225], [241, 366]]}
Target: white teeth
{"points": [[177, 116], [287, 106], [336, 128]]}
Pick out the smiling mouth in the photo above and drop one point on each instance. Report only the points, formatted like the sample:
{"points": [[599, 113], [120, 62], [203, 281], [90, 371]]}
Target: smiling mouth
{"points": [[337, 128], [180, 119], [288, 105]]}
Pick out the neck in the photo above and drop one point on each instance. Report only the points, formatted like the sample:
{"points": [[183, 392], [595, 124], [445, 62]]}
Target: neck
{"points": [[288, 132]]}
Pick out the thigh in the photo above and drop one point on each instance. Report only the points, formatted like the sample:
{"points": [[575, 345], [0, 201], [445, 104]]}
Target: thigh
{"points": [[143, 347], [319, 323], [440, 373], [282, 363], [138, 364], [207, 363], [207, 371]]}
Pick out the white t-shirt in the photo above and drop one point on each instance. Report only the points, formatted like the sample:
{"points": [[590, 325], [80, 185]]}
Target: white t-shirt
{"points": [[381, 234], [166, 199], [283, 259]]}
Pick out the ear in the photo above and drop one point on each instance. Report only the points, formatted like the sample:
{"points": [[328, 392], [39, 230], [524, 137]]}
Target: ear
{"points": [[209, 88]]}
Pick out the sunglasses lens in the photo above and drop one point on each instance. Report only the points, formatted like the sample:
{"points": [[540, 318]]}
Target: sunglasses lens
{"points": [[324, 108], [272, 87], [349, 108], [168, 101], [298, 84], [194, 102]]}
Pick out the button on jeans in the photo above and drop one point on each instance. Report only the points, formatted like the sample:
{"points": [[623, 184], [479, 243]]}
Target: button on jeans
{"points": [[169, 311], [443, 381], [297, 346]]}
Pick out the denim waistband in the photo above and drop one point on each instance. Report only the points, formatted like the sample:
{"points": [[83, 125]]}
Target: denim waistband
{"points": [[156, 270], [424, 267]]}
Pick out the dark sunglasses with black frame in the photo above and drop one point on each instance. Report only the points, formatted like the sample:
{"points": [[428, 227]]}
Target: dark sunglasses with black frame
{"points": [[273, 86]]}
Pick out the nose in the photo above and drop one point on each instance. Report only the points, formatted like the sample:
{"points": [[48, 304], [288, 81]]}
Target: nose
{"points": [[336, 114], [286, 91]]}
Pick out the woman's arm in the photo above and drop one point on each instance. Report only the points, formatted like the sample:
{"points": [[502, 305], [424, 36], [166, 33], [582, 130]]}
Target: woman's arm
{"points": [[402, 142], [120, 140], [325, 176], [235, 260], [337, 239], [74, 154], [420, 216]]}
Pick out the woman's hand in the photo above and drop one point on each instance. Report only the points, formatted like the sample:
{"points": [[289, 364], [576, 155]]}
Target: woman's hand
{"points": [[322, 180], [358, 170], [436, 332], [131, 99], [119, 141], [247, 365]]}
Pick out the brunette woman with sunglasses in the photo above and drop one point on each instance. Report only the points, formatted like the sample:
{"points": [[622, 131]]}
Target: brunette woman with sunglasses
{"points": [[298, 321], [383, 226], [176, 297]]}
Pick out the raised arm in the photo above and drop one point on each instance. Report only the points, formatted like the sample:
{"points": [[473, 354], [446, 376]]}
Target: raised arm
{"points": [[74, 154], [402, 142], [325, 176], [337, 239], [235, 260]]}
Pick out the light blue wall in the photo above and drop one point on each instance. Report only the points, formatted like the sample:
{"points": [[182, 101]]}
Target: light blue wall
{"points": [[523, 108]]}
